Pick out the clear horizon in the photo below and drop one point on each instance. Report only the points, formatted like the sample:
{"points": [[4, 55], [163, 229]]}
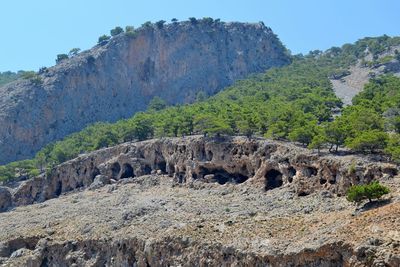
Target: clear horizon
{"points": [[34, 32]]}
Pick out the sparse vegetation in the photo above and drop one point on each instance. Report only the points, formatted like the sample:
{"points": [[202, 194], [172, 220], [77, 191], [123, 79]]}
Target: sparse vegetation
{"points": [[147, 25], [104, 39], [9, 76], [33, 77], [208, 20], [374, 190], [160, 24], [117, 30], [156, 104], [61, 57], [74, 51], [193, 20], [130, 31]]}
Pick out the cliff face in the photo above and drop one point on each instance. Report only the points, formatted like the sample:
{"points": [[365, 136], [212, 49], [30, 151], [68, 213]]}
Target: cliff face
{"points": [[199, 201], [261, 163], [117, 79]]}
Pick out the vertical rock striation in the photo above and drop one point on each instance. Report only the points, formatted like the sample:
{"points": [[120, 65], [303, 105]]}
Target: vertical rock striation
{"points": [[114, 80]]}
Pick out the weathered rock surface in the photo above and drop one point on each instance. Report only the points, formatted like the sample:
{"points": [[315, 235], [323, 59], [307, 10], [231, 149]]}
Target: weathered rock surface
{"points": [[116, 79], [200, 201], [5, 198], [153, 221], [261, 163], [350, 85]]}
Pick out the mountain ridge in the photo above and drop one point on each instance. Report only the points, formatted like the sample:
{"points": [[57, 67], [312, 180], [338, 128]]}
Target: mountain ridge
{"points": [[120, 76]]}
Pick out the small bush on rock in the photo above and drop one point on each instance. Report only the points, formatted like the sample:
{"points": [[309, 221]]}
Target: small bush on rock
{"points": [[371, 191], [117, 30], [103, 39]]}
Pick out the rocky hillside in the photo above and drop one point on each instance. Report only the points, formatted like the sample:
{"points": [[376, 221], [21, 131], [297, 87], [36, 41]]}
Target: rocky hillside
{"points": [[199, 201], [119, 77], [269, 164], [352, 81]]}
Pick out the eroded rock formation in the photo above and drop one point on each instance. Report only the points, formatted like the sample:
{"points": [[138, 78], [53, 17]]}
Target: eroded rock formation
{"points": [[114, 80], [152, 220], [264, 164]]}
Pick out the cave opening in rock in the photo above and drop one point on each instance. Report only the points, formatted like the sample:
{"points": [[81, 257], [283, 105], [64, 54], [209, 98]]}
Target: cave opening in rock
{"points": [[115, 169], [162, 165], [181, 176], [147, 169], [291, 173], [171, 169], [310, 171], [273, 179], [221, 176], [202, 154], [58, 190], [127, 171], [209, 155], [95, 172]]}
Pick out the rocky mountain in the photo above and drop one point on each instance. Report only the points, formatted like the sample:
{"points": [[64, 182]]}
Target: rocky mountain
{"points": [[199, 201], [214, 199], [119, 77], [352, 81]]}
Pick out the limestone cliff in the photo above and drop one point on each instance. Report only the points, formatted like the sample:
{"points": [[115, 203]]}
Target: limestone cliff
{"points": [[199, 201], [264, 164], [115, 79]]}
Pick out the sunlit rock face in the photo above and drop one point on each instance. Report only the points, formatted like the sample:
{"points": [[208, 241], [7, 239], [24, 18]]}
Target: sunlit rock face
{"points": [[262, 164], [113, 80]]}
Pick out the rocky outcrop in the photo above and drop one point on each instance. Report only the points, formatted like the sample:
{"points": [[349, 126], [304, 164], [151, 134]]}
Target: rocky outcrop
{"points": [[170, 252], [115, 79], [5, 198], [350, 82], [152, 220], [261, 163]]}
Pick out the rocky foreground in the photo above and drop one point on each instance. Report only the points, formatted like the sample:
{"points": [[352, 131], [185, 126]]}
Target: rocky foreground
{"points": [[202, 202]]}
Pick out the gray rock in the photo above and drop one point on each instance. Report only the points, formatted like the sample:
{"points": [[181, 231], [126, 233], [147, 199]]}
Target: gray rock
{"points": [[77, 173], [18, 253], [99, 181], [5, 198], [115, 80]]}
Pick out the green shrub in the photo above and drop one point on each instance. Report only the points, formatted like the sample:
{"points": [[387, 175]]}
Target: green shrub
{"points": [[208, 20], [33, 77], [369, 141], [193, 20], [393, 147], [117, 30], [61, 57], [103, 39], [386, 59], [160, 24], [9, 76], [74, 51], [371, 191], [130, 31], [147, 24], [352, 168]]}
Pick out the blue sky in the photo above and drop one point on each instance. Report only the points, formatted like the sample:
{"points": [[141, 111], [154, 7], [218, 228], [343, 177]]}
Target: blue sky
{"points": [[34, 32]]}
